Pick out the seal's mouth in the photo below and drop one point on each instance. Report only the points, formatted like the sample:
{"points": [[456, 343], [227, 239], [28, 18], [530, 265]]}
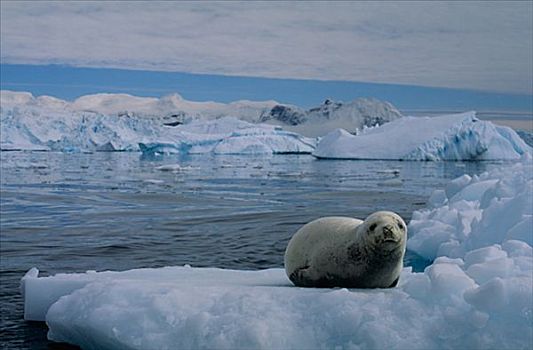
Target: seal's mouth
{"points": [[390, 242]]}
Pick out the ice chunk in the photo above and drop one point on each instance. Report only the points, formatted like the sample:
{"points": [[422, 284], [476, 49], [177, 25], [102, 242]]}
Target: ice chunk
{"points": [[457, 184], [483, 255], [477, 212], [448, 279], [511, 297], [517, 248], [437, 198], [39, 294]]}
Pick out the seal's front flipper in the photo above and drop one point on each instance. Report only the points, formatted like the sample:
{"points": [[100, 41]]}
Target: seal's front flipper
{"points": [[300, 276], [395, 283]]}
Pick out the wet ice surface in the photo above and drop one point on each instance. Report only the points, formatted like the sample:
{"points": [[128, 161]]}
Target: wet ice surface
{"points": [[116, 211]]}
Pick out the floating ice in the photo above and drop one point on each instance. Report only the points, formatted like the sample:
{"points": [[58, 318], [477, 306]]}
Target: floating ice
{"points": [[474, 212], [451, 137], [477, 293]]}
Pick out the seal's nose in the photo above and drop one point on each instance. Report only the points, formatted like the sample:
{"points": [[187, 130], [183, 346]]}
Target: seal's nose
{"points": [[388, 231]]}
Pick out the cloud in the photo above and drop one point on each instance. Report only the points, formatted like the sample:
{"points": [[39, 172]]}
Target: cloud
{"points": [[477, 45]]}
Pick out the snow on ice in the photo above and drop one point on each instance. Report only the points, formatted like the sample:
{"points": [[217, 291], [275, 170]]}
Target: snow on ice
{"points": [[476, 294]]}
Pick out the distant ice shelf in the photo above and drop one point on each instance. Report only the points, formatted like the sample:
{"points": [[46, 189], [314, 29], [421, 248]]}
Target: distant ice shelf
{"points": [[477, 293]]}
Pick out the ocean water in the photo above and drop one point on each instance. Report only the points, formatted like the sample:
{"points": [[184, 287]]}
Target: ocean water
{"points": [[73, 212]]}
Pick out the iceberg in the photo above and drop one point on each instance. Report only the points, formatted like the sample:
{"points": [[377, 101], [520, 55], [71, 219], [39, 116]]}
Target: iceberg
{"points": [[449, 137], [527, 136], [477, 293], [69, 131], [230, 136], [53, 130], [331, 115]]}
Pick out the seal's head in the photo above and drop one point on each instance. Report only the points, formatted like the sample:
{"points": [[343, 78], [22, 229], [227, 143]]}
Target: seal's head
{"points": [[385, 229]]}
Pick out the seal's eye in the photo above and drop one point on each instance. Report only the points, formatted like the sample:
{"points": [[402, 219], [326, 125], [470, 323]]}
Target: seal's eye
{"points": [[373, 227], [400, 226]]}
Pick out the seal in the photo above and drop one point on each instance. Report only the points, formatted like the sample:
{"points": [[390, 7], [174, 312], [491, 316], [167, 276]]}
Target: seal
{"points": [[346, 252]]}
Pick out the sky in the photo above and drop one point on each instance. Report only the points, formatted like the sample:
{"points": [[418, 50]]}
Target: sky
{"points": [[469, 48], [71, 82]]}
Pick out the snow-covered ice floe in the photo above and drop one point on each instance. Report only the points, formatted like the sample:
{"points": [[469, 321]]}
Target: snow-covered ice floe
{"points": [[449, 137], [476, 294]]}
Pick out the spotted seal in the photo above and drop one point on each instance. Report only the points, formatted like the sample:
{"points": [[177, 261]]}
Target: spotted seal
{"points": [[347, 252]]}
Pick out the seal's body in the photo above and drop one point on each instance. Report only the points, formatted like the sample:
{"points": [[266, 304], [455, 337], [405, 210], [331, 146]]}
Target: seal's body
{"points": [[347, 252]]}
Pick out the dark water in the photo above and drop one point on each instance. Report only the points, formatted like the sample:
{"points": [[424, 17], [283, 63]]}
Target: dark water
{"points": [[116, 211]]}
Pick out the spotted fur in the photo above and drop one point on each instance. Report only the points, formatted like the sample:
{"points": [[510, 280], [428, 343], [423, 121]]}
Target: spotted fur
{"points": [[346, 252]]}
